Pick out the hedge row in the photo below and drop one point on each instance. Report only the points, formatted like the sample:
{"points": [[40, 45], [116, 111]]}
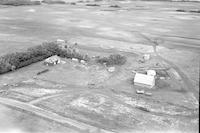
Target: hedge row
{"points": [[19, 2], [114, 59], [17, 60], [29, 2], [54, 2]]}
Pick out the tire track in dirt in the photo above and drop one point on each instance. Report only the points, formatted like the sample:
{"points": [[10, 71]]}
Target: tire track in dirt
{"points": [[72, 91]]}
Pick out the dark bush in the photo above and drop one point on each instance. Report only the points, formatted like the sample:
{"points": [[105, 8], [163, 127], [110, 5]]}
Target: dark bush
{"points": [[53, 2], [115, 6], [195, 11], [181, 10], [38, 53], [31, 61], [73, 3], [114, 59], [70, 52], [92, 5], [4, 66], [51, 47], [192, 11]]}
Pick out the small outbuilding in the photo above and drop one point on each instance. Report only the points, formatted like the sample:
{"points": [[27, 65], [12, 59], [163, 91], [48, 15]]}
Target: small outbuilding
{"points": [[140, 91], [151, 72], [83, 62], [53, 60], [111, 69], [60, 41], [146, 57], [144, 80], [75, 59]]}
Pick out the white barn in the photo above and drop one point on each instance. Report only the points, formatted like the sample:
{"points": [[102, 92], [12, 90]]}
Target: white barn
{"points": [[144, 80]]}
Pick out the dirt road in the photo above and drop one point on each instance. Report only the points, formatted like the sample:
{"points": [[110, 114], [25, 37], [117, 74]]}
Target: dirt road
{"points": [[49, 115]]}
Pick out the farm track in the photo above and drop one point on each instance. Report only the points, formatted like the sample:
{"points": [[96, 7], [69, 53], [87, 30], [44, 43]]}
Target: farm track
{"points": [[50, 115], [74, 91]]}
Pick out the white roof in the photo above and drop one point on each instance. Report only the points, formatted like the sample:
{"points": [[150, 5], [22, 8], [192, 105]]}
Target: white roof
{"points": [[111, 69], [53, 58], [151, 72], [144, 79]]}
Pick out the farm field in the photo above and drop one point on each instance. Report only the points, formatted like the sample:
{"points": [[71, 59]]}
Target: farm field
{"points": [[90, 97]]}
